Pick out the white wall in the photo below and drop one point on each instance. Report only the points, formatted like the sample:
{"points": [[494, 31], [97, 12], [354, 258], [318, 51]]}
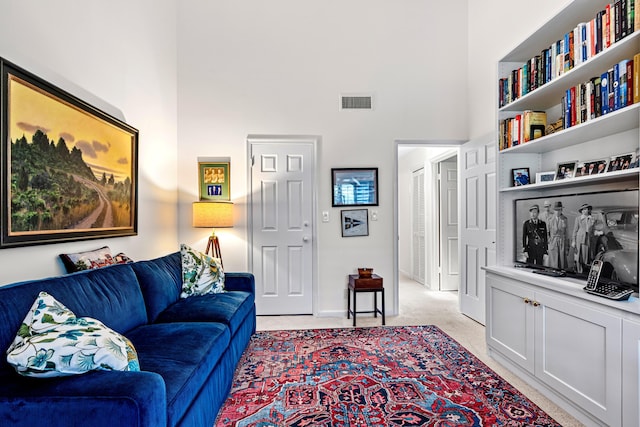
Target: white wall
{"points": [[496, 27], [117, 55], [278, 67]]}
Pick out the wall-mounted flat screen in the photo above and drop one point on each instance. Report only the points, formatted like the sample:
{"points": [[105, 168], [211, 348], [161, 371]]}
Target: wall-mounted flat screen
{"points": [[568, 232]]}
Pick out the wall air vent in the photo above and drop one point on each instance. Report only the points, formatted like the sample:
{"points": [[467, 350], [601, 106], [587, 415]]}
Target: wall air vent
{"points": [[356, 102]]}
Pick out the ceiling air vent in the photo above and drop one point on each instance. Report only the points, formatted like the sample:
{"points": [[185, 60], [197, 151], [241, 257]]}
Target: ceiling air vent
{"points": [[356, 102]]}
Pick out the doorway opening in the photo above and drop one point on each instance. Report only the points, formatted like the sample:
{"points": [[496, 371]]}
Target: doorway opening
{"points": [[427, 216]]}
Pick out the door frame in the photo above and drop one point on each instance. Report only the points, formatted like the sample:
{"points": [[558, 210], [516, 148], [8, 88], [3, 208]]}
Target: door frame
{"points": [[395, 310], [314, 141]]}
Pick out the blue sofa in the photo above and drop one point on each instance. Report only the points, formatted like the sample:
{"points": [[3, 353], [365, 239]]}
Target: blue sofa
{"points": [[187, 348]]}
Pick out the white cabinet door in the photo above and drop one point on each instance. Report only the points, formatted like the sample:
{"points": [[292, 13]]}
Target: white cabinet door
{"points": [[577, 353], [510, 321], [631, 373]]}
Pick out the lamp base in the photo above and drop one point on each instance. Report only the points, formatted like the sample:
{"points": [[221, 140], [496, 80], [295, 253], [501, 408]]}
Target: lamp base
{"points": [[214, 245]]}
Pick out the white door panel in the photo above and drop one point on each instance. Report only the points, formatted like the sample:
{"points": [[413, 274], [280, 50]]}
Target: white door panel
{"points": [[478, 228], [448, 229], [282, 189], [418, 231]]}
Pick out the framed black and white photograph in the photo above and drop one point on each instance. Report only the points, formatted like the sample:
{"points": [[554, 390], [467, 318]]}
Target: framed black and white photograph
{"points": [[566, 170], [591, 167], [578, 228], [621, 162], [545, 176], [520, 177], [354, 186], [355, 222]]}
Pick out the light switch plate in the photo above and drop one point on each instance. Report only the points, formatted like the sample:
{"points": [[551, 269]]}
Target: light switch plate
{"points": [[325, 216]]}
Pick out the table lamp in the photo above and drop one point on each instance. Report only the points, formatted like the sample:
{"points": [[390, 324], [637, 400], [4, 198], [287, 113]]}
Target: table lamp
{"points": [[213, 214]]}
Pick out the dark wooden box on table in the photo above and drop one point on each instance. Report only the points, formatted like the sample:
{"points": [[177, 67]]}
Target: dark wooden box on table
{"points": [[357, 282]]}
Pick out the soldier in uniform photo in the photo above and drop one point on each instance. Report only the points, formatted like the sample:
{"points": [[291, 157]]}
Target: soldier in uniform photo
{"points": [[583, 231], [558, 225], [534, 237], [545, 216]]}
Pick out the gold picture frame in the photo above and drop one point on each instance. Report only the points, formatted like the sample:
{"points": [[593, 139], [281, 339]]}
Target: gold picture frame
{"points": [[69, 170], [213, 181]]}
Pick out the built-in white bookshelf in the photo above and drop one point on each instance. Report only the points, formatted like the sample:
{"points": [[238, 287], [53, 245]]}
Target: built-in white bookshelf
{"points": [[525, 310]]}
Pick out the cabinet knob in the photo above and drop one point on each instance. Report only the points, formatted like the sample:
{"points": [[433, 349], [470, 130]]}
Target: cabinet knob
{"points": [[526, 300], [536, 304]]}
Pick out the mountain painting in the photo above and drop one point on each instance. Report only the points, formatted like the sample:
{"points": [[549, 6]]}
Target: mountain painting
{"points": [[72, 167]]}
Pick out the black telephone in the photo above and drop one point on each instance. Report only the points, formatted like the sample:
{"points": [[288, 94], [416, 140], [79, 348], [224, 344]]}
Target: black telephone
{"points": [[605, 287]]}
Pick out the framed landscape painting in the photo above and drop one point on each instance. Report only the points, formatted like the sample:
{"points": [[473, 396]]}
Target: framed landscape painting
{"points": [[69, 170]]}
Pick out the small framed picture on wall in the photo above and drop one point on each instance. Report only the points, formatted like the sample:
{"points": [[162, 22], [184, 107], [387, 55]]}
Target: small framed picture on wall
{"points": [[213, 179], [355, 222]]}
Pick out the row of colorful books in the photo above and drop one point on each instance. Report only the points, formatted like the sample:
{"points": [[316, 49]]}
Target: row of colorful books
{"points": [[610, 25], [616, 88]]}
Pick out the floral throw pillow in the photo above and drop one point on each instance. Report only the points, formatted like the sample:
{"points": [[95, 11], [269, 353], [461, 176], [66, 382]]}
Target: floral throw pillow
{"points": [[201, 274], [53, 342]]}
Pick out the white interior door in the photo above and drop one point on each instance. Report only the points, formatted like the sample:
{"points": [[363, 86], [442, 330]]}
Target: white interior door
{"points": [[282, 224], [448, 225], [478, 204], [418, 227]]}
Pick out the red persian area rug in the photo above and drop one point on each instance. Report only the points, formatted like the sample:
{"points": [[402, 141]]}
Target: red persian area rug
{"points": [[378, 377]]}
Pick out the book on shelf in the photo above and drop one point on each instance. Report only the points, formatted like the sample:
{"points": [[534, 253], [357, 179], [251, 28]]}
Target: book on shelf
{"points": [[534, 124], [636, 78], [604, 93]]}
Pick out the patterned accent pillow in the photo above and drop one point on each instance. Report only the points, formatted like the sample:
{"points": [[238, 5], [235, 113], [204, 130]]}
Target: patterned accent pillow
{"points": [[201, 274], [89, 260], [53, 342]]}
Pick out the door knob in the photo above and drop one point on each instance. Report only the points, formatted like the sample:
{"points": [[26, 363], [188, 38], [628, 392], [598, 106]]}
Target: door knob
{"points": [[305, 239]]}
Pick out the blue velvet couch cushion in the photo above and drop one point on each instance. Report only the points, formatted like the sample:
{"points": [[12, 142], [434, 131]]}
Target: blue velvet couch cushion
{"points": [[230, 308], [161, 282], [184, 354], [111, 295], [236, 281], [98, 399]]}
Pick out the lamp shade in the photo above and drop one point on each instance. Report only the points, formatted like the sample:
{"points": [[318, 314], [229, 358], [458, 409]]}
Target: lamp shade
{"points": [[212, 214]]}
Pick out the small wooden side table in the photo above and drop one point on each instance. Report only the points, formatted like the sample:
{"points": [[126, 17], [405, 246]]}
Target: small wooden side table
{"points": [[369, 284]]}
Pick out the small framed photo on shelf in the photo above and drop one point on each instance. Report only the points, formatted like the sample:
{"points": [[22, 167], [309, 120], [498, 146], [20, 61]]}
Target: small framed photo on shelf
{"points": [[591, 167], [622, 162], [520, 177], [566, 170], [636, 160], [213, 180], [545, 176], [355, 222]]}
